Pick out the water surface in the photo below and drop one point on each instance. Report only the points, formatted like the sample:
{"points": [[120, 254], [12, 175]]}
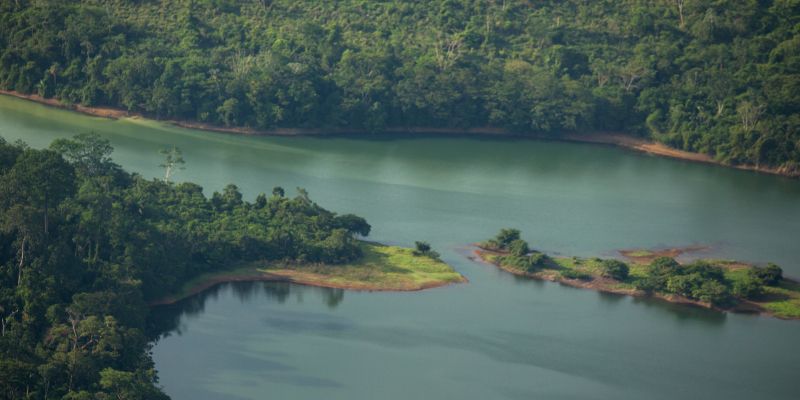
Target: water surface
{"points": [[498, 336]]}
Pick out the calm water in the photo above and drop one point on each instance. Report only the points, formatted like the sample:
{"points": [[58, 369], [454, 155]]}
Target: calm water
{"points": [[498, 336]]}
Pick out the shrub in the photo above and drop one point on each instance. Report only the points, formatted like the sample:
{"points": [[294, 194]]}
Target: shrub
{"points": [[423, 249], [519, 248], [749, 287], [770, 275], [712, 292], [573, 274], [705, 269], [659, 271], [503, 239], [614, 269]]}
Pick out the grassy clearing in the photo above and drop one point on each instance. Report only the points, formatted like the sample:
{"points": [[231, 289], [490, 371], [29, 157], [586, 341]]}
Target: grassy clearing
{"points": [[381, 268], [387, 268], [783, 300]]}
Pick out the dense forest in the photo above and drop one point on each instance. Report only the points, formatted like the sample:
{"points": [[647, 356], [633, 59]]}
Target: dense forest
{"points": [[84, 246], [717, 77]]}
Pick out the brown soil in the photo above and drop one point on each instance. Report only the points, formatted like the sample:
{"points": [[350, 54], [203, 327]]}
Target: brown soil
{"points": [[632, 255], [614, 139]]}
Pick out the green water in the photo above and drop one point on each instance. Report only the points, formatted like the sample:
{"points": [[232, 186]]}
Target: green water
{"points": [[498, 336]]}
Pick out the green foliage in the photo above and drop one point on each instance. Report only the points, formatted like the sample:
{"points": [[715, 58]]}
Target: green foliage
{"points": [[771, 275], [503, 240], [719, 78], [574, 274], [614, 269], [84, 245], [658, 272], [750, 286], [699, 280], [519, 248], [423, 249]]}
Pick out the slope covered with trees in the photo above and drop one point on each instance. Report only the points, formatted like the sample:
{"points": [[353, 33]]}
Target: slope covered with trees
{"points": [[85, 245], [717, 77]]}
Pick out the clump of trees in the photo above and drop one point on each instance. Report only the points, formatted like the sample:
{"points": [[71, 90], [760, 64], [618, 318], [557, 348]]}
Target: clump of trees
{"points": [[706, 282], [84, 245], [516, 252], [719, 78]]}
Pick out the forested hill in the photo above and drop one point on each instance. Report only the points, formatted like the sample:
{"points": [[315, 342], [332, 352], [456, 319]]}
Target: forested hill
{"points": [[717, 77], [84, 245]]}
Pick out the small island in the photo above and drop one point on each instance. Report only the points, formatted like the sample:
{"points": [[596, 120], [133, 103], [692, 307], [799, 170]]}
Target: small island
{"points": [[717, 284], [381, 268]]}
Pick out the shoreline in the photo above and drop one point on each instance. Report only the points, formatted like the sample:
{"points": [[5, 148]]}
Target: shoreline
{"points": [[228, 277], [609, 138], [381, 269], [607, 285]]}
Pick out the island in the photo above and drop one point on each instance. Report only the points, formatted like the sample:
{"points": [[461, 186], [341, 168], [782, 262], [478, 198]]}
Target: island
{"points": [[722, 285]]}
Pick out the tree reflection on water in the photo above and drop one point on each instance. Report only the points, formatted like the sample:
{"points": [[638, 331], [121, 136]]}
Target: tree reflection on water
{"points": [[165, 320]]}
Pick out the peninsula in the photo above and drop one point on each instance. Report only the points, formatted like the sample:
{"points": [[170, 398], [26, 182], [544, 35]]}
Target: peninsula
{"points": [[381, 268]]}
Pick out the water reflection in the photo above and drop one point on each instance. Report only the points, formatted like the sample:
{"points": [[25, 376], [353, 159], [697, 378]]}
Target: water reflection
{"points": [[166, 320]]}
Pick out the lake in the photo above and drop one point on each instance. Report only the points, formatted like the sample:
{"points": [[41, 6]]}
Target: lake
{"points": [[497, 336]]}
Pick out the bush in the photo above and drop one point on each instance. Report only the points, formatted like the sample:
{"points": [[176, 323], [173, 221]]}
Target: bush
{"points": [[712, 292], [423, 249], [519, 248], [749, 287], [615, 269], [573, 274], [770, 275], [502, 240], [659, 271]]}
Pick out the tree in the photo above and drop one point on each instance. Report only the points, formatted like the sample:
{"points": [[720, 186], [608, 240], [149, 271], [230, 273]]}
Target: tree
{"points": [[748, 287], [423, 249], [614, 269], [88, 152], [173, 160], [353, 224], [519, 248], [771, 275], [504, 239], [658, 273], [39, 180]]}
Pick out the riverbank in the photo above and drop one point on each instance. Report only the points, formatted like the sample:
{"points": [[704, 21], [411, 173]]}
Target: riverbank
{"points": [[604, 138], [382, 268], [782, 301]]}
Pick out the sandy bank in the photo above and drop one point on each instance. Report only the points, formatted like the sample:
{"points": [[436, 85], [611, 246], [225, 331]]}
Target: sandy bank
{"points": [[614, 139]]}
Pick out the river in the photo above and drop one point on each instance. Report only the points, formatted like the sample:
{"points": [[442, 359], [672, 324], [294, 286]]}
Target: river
{"points": [[497, 336]]}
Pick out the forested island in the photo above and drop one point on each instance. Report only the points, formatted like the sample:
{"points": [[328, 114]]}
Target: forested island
{"points": [[718, 284], [85, 246], [717, 78]]}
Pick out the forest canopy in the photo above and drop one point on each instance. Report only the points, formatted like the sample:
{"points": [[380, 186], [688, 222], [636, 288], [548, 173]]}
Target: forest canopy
{"points": [[716, 77], [85, 245]]}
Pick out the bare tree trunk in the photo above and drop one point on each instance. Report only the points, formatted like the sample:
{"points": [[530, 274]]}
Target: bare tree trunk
{"points": [[680, 4], [21, 261], [45, 213]]}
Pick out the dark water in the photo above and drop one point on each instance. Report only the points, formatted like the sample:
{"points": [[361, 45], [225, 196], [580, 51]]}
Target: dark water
{"points": [[498, 336]]}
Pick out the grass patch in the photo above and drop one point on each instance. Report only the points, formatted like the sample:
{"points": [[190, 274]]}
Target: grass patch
{"points": [[381, 268], [783, 300]]}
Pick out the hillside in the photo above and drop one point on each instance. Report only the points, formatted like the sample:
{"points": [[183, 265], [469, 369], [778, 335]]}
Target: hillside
{"points": [[720, 78]]}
